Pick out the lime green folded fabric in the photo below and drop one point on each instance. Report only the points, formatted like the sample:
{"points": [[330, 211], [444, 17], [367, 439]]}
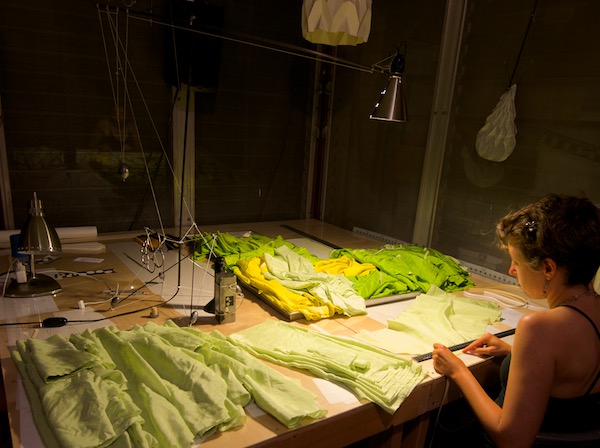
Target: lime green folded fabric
{"points": [[233, 248], [56, 357], [79, 409], [372, 374], [151, 386], [379, 284], [446, 318], [418, 267], [282, 397]]}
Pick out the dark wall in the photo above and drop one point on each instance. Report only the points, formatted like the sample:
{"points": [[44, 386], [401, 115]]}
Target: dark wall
{"points": [[557, 106], [61, 86], [252, 136], [374, 169]]}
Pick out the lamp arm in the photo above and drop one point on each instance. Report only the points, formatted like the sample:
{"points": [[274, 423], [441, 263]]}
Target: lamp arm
{"points": [[253, 41], [384, 65]]}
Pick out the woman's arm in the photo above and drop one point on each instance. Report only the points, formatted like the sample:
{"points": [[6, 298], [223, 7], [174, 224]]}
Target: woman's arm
{"points": [[530, 379], [447, 364]]}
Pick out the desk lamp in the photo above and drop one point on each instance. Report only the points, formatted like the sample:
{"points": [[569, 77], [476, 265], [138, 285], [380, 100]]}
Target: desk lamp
{"points": [[392, 104], [37, 238]]}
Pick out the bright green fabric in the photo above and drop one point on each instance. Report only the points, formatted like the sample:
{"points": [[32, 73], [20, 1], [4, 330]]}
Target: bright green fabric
{"points": [[381, 272], [370, 373], [379, 284], [233, 248], [418, 267]]}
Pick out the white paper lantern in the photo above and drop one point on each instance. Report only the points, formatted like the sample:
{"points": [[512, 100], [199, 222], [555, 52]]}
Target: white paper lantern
{"points": [[336, 22], [496, 140]]}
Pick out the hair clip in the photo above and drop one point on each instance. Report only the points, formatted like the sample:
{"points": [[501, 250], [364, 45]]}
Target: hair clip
{"points": [[531, 226]]}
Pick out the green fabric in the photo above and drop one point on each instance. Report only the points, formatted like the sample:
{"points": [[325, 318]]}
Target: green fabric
{"points": [[282, 397], [399, 269], [370, 373], [446, 318], [37, 412], [379, 284], [55, 357], [233, 248], [418, 267], [195, 391], [83, 407], [151, 386]]}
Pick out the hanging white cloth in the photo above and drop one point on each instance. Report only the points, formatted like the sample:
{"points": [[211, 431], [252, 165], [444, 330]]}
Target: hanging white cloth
{"points": [[496, 140]]}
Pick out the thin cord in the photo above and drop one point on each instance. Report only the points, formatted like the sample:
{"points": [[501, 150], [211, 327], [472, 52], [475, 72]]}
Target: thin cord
{"points": [[210, 253], [269, 45], [531, 18], [439, 411], [506, 302], [6, 324], [193, 225], [12, 263]]}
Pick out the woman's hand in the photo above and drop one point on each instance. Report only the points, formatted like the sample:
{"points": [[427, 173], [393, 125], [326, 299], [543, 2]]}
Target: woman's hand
{"points": [[445, 362], [488, 345]]}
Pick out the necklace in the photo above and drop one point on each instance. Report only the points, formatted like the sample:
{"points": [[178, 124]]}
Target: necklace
{"points": [[578, 296]]}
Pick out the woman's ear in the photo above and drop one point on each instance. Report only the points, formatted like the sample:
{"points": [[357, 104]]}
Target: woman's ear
{"points": [[549, 268]]}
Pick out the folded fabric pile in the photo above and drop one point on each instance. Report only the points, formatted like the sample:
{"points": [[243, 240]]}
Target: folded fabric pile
{"points": [[152, 386], [372, 374], [408, 268], [234, 248], [291, 281], [285, 275], [295, 280]]}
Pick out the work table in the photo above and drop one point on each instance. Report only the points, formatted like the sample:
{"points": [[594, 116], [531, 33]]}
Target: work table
{"points": [[348, 420]]}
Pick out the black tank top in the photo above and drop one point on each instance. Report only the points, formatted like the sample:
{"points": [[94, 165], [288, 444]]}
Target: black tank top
{"points": [[564, 414]]}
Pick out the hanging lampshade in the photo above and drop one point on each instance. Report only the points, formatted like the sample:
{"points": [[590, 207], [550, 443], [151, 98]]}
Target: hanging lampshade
{"points": [[336, 22], [391, 105], [496, 140]]}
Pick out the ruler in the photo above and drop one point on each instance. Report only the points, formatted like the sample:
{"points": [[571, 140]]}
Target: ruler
{"points": [[462, 345]]}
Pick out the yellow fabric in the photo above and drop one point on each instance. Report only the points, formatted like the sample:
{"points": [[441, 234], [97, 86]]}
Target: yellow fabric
{"points": [[252, 271], [345, 266]]}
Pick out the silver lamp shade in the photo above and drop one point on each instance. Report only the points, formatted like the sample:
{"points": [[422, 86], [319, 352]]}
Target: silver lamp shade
{"points": [[37, 238], [392, 102]]}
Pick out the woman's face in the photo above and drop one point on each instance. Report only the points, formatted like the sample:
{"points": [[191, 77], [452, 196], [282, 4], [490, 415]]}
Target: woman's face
{"points": [[530, 280]]}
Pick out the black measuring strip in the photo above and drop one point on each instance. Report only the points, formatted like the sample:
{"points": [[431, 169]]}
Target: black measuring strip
{"points": [[312, 237], [462, 345]]}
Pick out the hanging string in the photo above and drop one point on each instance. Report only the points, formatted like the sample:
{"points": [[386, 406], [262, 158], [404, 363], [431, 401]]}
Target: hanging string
{"points": [[531, 19], [127, 100], [125, 84], [113, 84]]}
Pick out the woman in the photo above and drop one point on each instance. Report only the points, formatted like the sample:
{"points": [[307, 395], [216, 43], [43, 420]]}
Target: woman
{"points": [[554, 380]]}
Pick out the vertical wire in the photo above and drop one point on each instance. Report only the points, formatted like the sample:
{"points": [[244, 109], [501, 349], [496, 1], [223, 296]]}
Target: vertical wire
{"points": [[531, 18], [177, 185], [108, 65], [126, 55]]}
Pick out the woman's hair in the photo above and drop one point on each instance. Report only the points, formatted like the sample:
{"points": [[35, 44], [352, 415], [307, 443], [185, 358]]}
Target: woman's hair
{"points": [[565, 229]]}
